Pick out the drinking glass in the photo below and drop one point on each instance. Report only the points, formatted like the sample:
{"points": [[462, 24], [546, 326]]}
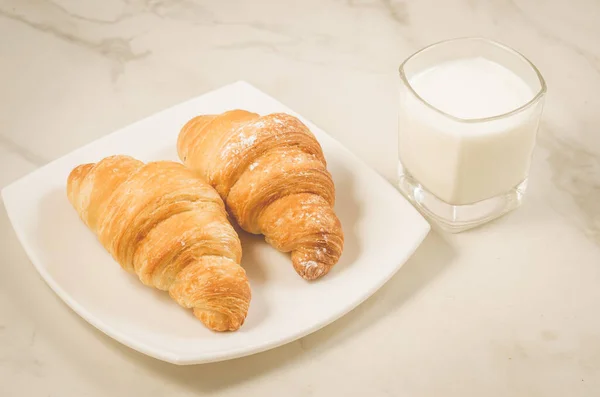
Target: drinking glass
{"points": [[463, 172]]}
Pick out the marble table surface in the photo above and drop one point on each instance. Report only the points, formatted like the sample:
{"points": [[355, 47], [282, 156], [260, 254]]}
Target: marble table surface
{"points": [[509, 309]]}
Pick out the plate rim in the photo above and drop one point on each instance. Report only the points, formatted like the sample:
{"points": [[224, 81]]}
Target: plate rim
{"points": [[221, 355]]}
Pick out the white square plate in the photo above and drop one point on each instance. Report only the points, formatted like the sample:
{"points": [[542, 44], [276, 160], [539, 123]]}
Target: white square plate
{"points": [[381, 229]]}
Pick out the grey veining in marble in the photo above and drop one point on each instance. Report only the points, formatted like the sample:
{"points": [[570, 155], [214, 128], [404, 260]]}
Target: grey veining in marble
{"points": [[576, 173], [117, 49]]}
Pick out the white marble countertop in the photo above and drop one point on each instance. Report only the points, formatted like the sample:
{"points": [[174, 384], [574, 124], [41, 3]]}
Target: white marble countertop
{"points": [[510, 309]]}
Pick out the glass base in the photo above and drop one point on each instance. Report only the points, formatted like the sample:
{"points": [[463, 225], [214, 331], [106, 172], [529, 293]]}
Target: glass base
{"points": [[458, 218]]}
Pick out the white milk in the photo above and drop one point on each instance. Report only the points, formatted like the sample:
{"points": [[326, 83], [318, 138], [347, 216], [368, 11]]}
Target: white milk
{"points": [[464, 162]]}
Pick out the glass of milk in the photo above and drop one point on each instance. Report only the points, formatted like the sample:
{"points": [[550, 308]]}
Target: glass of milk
{"points": [[469, 114]]}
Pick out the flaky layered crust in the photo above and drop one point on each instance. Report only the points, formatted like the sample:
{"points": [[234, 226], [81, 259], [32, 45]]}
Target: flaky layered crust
{"points": [[163, 223], [272, 174]]}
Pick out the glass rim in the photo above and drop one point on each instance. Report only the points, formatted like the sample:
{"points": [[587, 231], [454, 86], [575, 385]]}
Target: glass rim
{"points": [[532, 101]]}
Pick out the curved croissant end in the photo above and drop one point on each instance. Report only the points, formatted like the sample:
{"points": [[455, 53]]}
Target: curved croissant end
{"points": [[204, 289]]}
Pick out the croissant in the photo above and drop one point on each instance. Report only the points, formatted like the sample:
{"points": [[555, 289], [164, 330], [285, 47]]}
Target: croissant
{"points": [[161, 222], [272, 175]]}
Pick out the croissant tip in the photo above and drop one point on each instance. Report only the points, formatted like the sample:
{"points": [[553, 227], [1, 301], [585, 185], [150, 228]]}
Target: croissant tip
{"points": [[311, 270], [219, 322]]}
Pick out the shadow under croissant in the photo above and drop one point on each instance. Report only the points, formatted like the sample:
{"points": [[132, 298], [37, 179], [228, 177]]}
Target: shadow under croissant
{"points": [[259, 306], [349, 213]]}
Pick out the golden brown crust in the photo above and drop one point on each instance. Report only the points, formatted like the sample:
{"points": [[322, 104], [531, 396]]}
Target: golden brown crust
{"points": [[161, 222], [272, 174]]}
